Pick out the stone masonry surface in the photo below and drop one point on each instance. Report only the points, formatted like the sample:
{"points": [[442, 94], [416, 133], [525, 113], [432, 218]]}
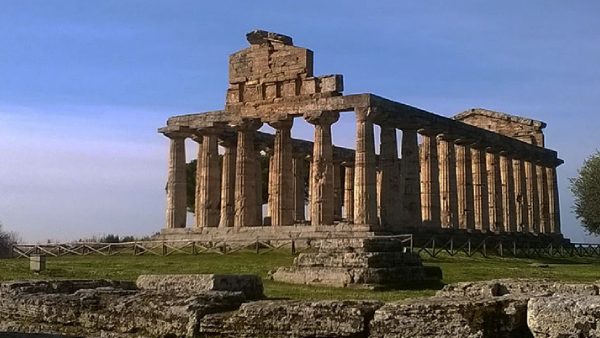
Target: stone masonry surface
{"points": [[497, 308]]}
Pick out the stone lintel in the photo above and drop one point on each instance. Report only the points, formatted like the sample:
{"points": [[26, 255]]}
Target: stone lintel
{"points": [[258, 37], [176, 131]]}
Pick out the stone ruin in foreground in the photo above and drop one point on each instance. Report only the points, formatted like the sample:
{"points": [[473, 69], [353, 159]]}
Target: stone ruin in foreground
{"points": [[230, 306], [480, 173]]}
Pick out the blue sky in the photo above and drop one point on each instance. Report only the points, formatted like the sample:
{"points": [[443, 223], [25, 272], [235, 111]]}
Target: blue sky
{"points": [[85, 84]]}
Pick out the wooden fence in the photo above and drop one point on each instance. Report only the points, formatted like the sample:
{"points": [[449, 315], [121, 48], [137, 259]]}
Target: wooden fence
{"points": [[505, 248], [434, 247], [187, 247]]}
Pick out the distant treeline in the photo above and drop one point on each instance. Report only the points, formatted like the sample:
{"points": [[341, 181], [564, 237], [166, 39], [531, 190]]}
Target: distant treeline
{"points": [[112, 238]]}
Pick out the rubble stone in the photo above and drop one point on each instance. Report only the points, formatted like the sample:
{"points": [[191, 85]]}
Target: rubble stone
{"points": [[298, 319], [250, 285], [443, 318]]}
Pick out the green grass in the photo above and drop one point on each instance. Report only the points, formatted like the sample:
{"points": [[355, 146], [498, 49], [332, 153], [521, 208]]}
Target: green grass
{"points": [[455, 269]]}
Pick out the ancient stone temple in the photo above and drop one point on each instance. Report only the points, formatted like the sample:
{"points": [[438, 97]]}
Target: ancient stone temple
{"points": [[480, 172]]}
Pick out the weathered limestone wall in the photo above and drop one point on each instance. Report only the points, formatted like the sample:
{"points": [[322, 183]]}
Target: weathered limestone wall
{"points": [[213, 306]]}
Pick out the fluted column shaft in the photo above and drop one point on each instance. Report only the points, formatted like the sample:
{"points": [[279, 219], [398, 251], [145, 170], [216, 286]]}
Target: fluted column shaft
{"points": [[554, 207], [281, 183], [209, 196], [508, 193], [258, 187], [533, 212], [494, 190], [245, 174], [197, 202], [544, 199], [176, 182], [480, 188], [322, 209], [448, 189], [299, 201], [430, 184], [521, 196], [349, 192], [410, 174], [365, 172], [228, 185], [464, 183], [338, 191], [389, 194], [310, 190]]}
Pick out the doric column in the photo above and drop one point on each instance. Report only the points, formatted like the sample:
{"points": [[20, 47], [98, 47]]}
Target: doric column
{"points": [[322, 168], [298, 189], [176, 182], [281, 179], [554, 208], [338, 190], [521, 196], [533, 211], [349, 192], [480, 188], [378, 180], [494, 189], [258, 187], [410, 169], [509, 215], [245, 174], [430, 184], [544, 209], [365, 171], [464, 183], [310, 189], [208, 193], [197, 203], [228, 184], [448, 189], [389, 194]]}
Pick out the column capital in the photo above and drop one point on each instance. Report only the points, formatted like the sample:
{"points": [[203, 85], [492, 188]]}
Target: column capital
{"points": [[493, 149], [245, 124], [447, 137], [227, 142], [464, 141], [431, 132], [282, 124], [478, 145], [214, 129], [365, 113], [174, 132], [324, 118], [197, 138]]}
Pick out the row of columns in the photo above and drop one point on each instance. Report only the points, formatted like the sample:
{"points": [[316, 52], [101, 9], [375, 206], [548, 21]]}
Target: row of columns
{"points": [[447, 182], [466, 185]]}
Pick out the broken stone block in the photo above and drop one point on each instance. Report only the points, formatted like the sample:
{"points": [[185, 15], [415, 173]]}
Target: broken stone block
{"points": [[444, 318], [299, 319], [332, 83], [250, 285], [564, 316], [520, 287]]}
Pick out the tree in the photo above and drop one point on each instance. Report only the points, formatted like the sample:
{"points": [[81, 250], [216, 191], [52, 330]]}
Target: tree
{"points": [[586, 190], [6, 240]]}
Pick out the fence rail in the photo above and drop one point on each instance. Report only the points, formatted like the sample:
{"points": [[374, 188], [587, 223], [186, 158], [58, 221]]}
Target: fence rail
{"points": [[486, 247], [432, 247], [188, 247]]}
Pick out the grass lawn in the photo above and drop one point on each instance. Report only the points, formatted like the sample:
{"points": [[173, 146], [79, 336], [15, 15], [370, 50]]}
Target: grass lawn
{"points": [[455, 269]]}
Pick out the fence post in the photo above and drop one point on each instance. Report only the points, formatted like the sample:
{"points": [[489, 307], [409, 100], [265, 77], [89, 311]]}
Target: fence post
{"points": [[293, 247], [257, 247]]}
